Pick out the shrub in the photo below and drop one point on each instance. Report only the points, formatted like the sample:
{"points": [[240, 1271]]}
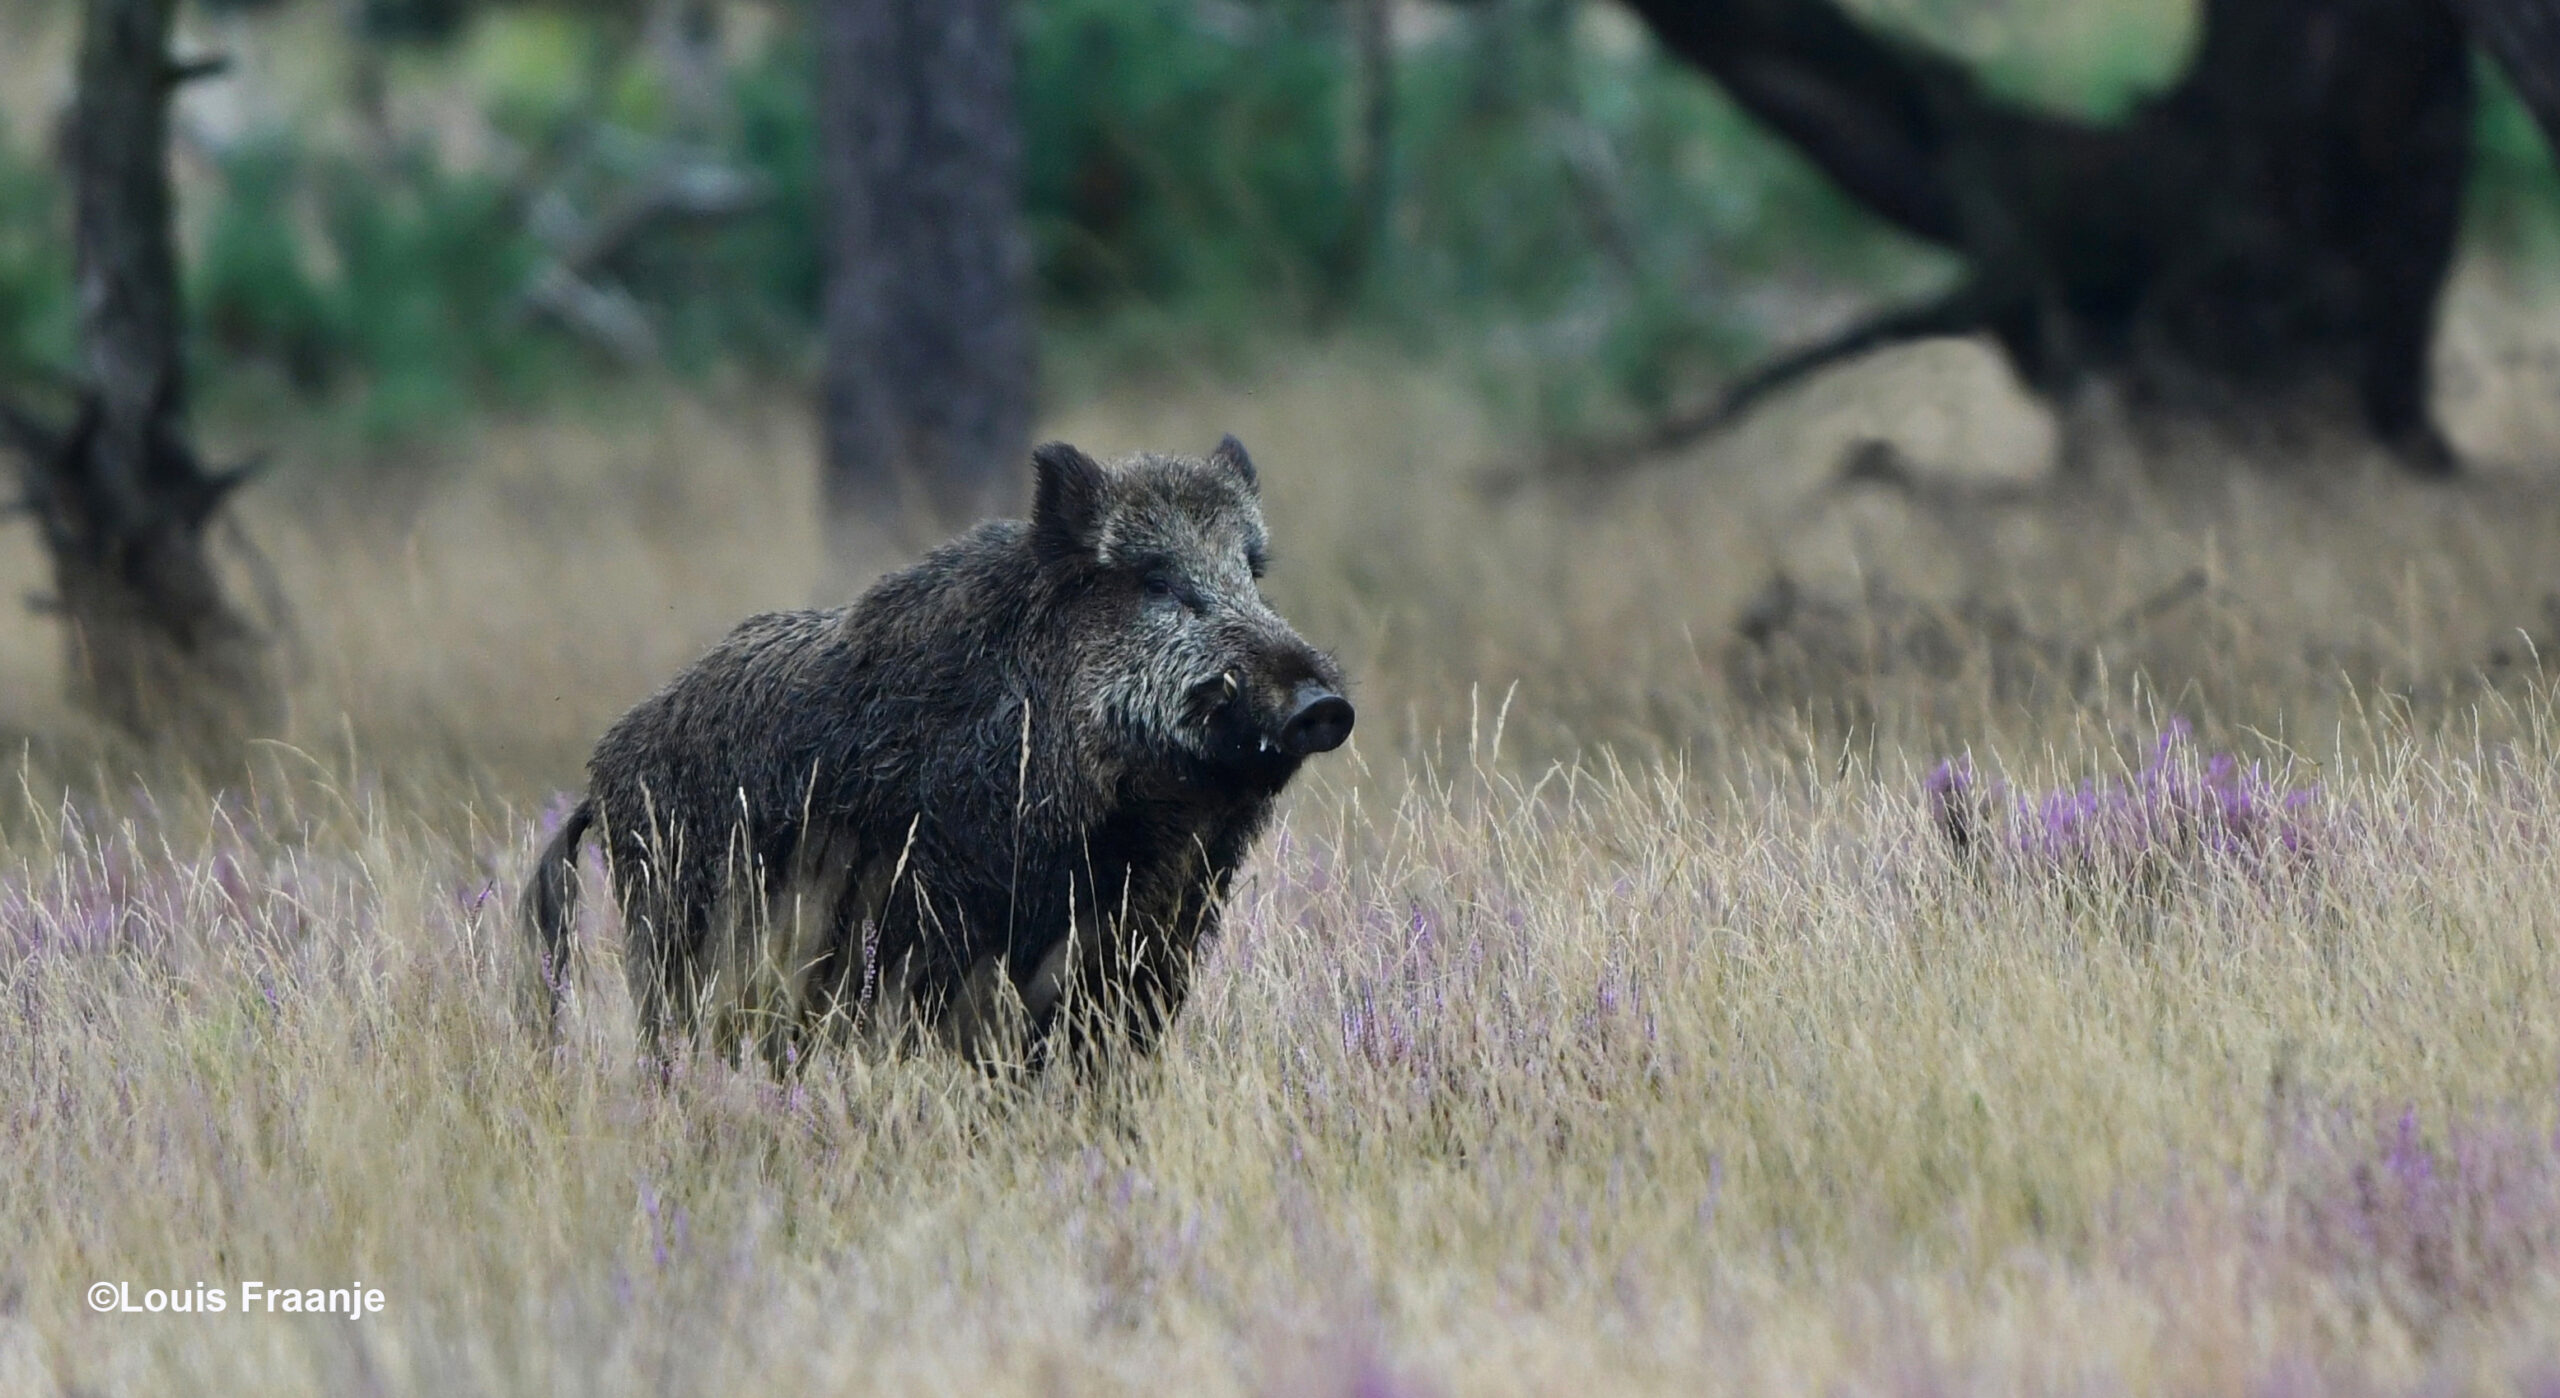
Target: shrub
{"points": [[36, 310]]}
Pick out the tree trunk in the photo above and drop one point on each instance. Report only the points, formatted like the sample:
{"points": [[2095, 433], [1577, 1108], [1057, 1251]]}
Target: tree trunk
{"points": [[928, 377], [2263, 244], [122, 501], [1373, 196]]}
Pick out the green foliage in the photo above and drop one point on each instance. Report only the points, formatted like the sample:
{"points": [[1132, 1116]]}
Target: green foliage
{"points": [[1588, 221], [2513, 202], [430, 281], [748, 287], [418, 312], [1568, 207], [2086, 58], [36, 310], [1172, 161], [1562, 195], [535, 72], [399, 287], [777, 141], [253, 297], [1583, 213]]}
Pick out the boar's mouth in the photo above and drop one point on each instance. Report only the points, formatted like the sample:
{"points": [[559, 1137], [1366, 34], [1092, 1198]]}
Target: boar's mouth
{"points": [[1266, 741], [1203, 706]]}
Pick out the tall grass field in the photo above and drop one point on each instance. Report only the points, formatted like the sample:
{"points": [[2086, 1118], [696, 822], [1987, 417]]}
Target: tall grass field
{"points": [[1770, 933]]}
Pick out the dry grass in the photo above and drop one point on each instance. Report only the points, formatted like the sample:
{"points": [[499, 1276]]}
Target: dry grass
{"points": [[1589, 1027]]}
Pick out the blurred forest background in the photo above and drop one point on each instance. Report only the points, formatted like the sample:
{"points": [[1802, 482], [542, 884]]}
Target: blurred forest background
{"points": [[378, 198], [414, 235]]}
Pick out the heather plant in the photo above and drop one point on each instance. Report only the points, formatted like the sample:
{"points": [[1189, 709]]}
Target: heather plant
{"points": [[2424, 1228], [2181, 811]]}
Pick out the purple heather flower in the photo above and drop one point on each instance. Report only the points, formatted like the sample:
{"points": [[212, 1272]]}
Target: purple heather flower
{"points": [[2176, 810]]}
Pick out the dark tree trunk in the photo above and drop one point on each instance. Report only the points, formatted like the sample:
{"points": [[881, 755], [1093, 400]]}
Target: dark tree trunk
{"points": [[1374, 62], [2262, 244], [928, 375], [123, 502]]}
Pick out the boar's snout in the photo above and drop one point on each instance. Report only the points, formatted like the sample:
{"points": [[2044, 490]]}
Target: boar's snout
{"points": [[1319, 720]]}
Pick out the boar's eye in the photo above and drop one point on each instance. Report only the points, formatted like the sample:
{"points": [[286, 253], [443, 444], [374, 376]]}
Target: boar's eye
{"points": [[1158, 583], [1257, 563]]}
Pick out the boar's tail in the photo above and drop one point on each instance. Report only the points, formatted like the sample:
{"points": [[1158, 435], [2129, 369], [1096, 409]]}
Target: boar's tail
{"points": [[550, 902]]}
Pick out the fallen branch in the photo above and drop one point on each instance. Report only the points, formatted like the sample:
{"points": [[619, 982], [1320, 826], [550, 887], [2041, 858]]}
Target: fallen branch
{"points": [[1961, 312], [180, 72], [571, 289]]}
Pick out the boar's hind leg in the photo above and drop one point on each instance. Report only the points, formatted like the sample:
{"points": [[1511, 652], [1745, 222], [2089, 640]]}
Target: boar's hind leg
{"points": [[770, 940], [1122, 986]]}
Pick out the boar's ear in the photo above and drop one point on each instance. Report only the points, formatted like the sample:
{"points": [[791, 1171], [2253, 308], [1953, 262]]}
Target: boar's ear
{"points": [[1066, 502], [1230, 454]]}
